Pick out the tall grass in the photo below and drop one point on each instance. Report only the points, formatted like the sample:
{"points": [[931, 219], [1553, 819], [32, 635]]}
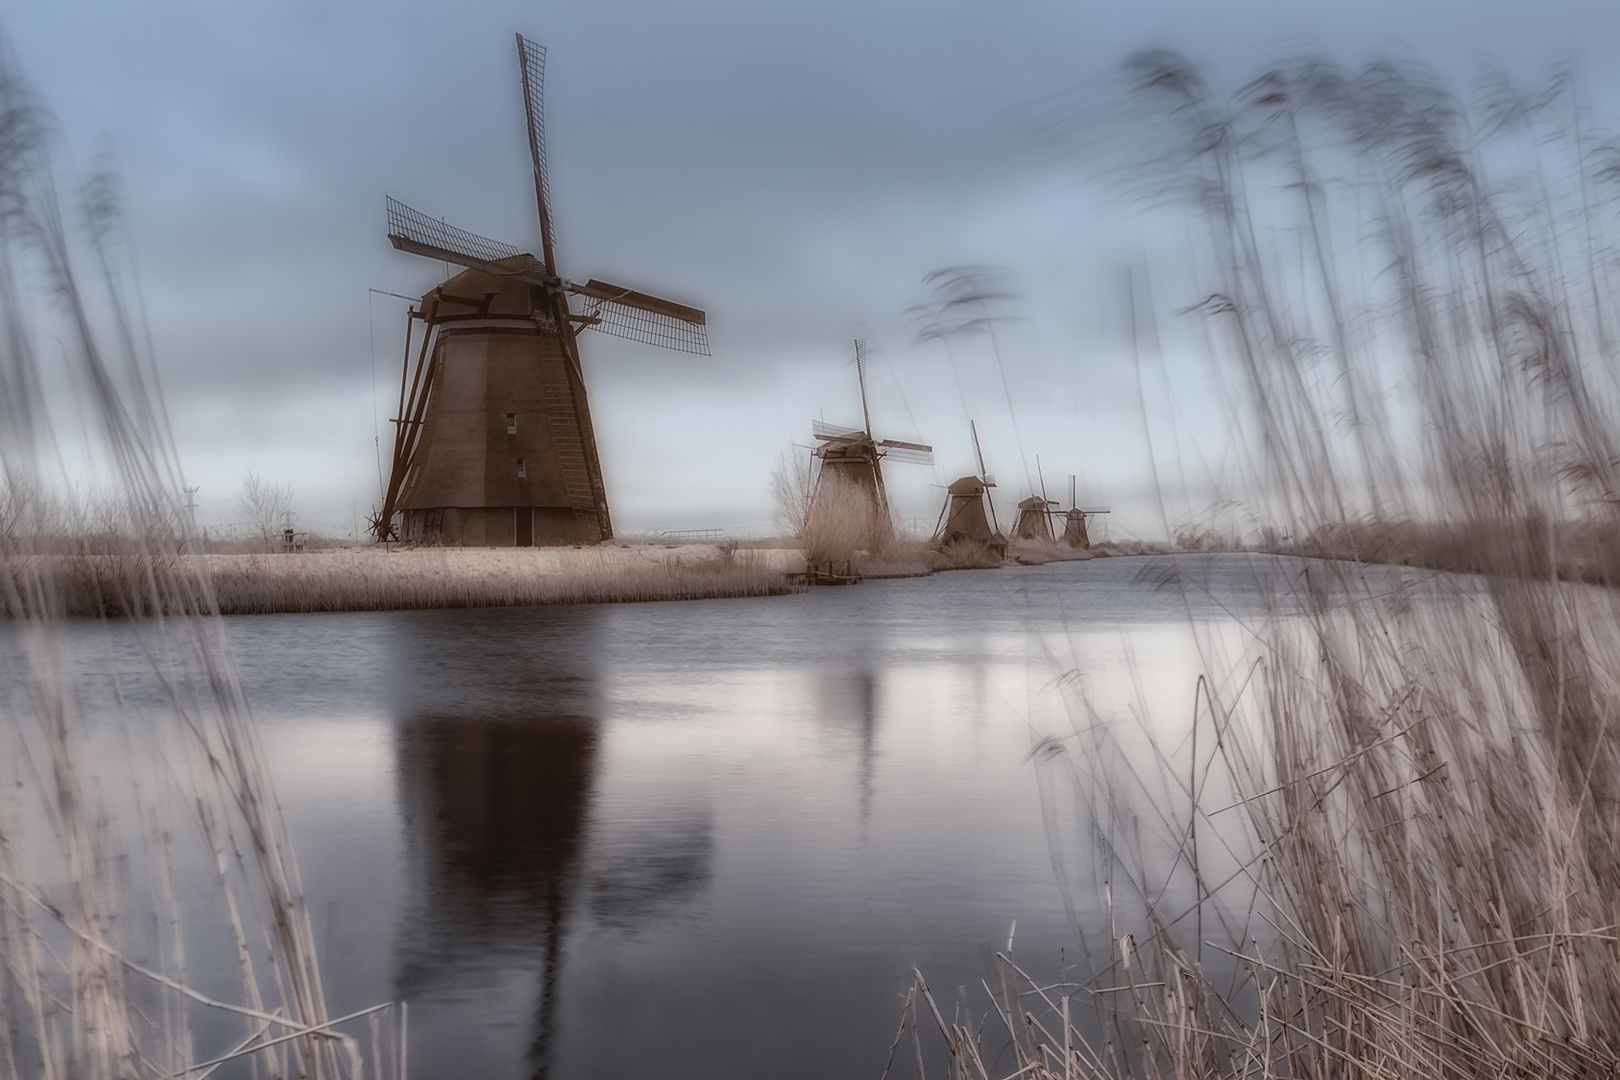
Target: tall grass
{"points": [[140, 836], [449, 578], [841, 520], [1386, 840]]}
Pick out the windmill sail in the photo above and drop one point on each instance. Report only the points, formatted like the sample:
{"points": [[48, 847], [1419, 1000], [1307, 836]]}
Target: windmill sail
{"points": [[912, 453], [892, 449], [413, 231], [823, 430], [532, 62], [860, 370], [648, 319]]}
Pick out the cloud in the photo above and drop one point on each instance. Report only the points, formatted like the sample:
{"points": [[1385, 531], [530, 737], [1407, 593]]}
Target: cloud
{"points": [[794, 169]]}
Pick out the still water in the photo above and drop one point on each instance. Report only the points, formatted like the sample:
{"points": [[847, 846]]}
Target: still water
{"points": [[699, 839]]}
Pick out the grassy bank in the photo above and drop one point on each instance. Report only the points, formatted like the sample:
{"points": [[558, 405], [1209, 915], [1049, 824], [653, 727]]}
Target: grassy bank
{"points": [[376, 579], [1577, 551], [113, 576]]}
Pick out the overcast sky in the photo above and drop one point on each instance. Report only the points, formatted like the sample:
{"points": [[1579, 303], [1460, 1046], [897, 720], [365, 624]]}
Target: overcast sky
{"points": [[795, 169]]}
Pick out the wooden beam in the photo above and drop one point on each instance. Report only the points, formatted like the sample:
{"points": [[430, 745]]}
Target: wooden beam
{"points": [[602, 290], [534, 273]]}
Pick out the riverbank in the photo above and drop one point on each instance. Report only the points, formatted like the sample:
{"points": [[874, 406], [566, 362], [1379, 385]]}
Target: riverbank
{"points": [[380, 579], [376, 579], [391, 579]]}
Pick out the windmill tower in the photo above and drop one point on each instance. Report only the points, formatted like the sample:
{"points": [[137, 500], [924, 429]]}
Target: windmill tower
{"points": [[494, 444], [1074, 521], [856, 457], [1034, 514], [968, 513], [1034, 522]]}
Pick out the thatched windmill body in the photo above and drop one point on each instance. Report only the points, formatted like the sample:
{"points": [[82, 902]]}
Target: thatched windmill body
{"points": [[856, 457], [494, 444], [969, 514]]}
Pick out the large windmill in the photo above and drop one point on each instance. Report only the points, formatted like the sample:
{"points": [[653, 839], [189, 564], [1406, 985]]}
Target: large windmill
{"points": [[494, 443], [857, 457], [968, 513]]}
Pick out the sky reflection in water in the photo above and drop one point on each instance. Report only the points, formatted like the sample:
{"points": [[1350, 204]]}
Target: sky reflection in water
{"points": [[709, 838]]}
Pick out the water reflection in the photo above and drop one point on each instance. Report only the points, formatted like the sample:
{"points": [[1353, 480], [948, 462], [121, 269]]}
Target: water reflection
{"points": [[500, 732], [579, 840], [847, 703], [497, 754], [651, 871]]}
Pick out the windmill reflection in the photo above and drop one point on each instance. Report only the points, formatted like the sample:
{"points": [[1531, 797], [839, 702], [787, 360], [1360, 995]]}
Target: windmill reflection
{"points": [[499, 744], [847, 703], [499, 750], [648, 872], [497, 759]]}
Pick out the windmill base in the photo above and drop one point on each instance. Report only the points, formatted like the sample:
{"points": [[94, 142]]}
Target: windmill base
{"points": [[500, 526]]}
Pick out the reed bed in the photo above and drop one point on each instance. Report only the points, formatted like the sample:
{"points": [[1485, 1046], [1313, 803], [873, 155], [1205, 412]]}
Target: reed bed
{"points": [[839, 519], [152, 920], [900, 557], [1583, 551], [376, 580], [1385, 841], [1040, 552]]}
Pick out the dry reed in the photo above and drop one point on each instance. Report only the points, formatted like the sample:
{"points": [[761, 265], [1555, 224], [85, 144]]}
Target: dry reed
{"points": [[1388, 842], [447, 578], [842, 520], [139, 828], [966, 554], [1035, 552], [107, 581]]}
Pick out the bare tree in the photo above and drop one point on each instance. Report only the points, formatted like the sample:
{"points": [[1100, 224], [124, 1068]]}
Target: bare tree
{"points": [[267, 506], [792, 488]]}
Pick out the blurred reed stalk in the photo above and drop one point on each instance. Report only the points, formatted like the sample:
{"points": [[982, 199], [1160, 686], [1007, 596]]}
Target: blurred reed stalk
{"points": [[1388, 842], [134, 836]]}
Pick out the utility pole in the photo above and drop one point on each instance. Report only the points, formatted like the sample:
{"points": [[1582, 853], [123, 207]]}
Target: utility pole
{"points": [[191, 505]]}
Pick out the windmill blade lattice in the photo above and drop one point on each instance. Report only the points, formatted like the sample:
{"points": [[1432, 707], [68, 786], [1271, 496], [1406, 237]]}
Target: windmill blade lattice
{"points": [[911, 453], [433, 238], [647, 327], [532, 61], [822, 429], [415, 225]]}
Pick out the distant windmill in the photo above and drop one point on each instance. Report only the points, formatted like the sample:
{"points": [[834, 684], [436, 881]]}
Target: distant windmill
{"points": [[969, 514], [1074, 520], [857, 457], [1034, 514], [1034, 521], [494, 443]]}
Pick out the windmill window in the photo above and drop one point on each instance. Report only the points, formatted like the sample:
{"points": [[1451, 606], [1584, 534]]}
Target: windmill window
{"points": [[511, 423], [523, 469]]}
